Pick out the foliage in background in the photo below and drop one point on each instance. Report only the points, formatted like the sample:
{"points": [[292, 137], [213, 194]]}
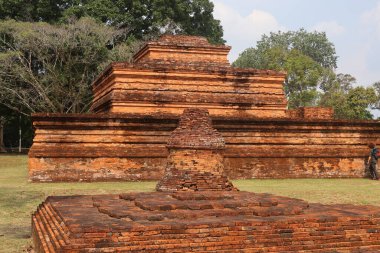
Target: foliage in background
{"points": [[312, 44], [49, 68], [310, 61], [349, 102], [140, 17], [376, 87]]}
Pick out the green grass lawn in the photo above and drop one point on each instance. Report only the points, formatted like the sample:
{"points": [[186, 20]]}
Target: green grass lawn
{"points": [[19, 198]]}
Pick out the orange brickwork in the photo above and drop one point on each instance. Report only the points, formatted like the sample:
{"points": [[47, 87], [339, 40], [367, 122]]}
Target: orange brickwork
{"points": [[137, 105], [183, 48], [216, 221], [178, 72], [193, 212], [195, 161], [311, 113], [133, 147]]}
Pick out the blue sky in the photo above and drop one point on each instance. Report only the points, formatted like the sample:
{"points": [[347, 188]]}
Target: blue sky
{"points": [[352, 25]]}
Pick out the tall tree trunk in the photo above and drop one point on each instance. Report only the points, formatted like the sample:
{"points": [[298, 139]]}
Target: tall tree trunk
{"points": [[2, 147]]}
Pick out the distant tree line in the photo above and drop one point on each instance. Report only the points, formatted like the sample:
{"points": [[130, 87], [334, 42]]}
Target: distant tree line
{"points": [[310, 61], [137, 18]]}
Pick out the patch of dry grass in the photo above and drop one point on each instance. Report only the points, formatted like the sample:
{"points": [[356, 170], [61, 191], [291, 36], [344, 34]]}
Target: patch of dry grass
{"points": [[20, 198]]}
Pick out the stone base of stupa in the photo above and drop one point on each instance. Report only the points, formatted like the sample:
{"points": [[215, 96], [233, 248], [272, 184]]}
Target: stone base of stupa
{"points": [[210, 221]]}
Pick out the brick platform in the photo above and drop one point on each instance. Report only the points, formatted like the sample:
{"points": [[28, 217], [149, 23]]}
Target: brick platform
{"points": [[202, 222]]}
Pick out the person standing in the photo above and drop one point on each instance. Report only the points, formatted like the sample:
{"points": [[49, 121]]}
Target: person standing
{"points": [[372, 161]]}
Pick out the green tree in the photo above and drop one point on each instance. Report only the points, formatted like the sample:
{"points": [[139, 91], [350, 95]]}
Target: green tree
{"points": [[376, 86], [49, 68], [139, 18], [312, 44], [349, 102], [302, 79], [359, 100], [308, 58], [31, 10]]}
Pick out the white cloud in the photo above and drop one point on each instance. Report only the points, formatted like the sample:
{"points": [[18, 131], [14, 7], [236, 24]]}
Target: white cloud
{"points": [[356, 64], [371, 19], [332, 28], [362, 61], [244, 31]]}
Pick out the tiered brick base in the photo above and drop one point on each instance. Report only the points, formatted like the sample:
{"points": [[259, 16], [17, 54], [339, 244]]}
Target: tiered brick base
{"points": [[202, 222]]}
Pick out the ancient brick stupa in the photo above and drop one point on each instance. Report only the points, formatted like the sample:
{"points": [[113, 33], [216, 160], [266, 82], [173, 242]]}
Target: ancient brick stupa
{"points": [[195, 161], [184, 217]]}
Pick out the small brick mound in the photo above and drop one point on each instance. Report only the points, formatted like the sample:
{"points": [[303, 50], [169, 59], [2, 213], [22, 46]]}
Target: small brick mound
{"points": [[202, 222], [195, 132], [195, 162]]}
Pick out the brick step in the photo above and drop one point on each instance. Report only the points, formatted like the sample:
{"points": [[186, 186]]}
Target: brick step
{"points": [[58, 227], [45, 240], [55, 237], [225, 242], [228, 247], [57, 221]]}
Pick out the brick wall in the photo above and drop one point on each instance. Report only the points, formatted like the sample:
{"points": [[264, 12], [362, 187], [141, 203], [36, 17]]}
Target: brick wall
{"points": [[133, 147], [311, 113]]}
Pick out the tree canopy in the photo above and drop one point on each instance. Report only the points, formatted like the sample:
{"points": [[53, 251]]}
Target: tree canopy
{"points": [[308, 58], [349, 102], [50, 50], [49, 68], [138, 17], [310, 61]]}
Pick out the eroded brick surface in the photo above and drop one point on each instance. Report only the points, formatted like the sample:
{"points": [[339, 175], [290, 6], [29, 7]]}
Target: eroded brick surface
{"points": [[195, 161], [183, 48], [202, 222], [177, 72], [195, 131], [133, 147], [196, 209], [137, 105], [311, 113]]}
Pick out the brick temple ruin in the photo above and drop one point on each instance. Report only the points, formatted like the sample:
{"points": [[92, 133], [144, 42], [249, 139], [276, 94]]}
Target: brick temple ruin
{"points": [[137, 105], [198, 210]]}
